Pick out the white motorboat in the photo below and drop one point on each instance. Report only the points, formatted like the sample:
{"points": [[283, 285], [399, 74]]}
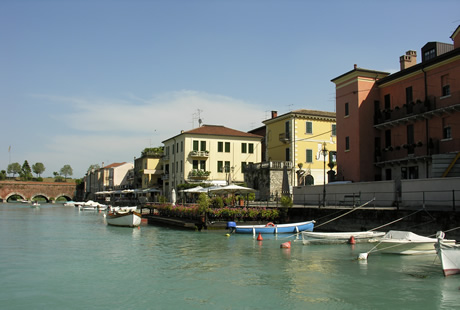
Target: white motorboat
{"points": [[449, 254], [124, 218], [407, 243], [310, 237]]}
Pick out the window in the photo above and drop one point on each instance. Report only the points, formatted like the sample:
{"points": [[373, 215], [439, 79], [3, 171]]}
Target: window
{"points": [[387, 102], [445, 85], [181, 166], [287, 131], [429, 54], [251, 148], [182, 146], [309, 157], [447, 132], [195, 164], [410, 139], [309, 127], [227, 147], [203, 165], [409, 98], [202, 146], [387, 138], [220, 147], [347, 143], [334, 130], [227, 166], [244, 147], [288, 154], [220, 166], [347, 112], [195, 145]]}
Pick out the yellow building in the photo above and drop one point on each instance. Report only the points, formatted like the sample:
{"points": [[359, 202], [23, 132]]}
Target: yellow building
{"points": [[148, 169], [214, 154], [300, 137]]}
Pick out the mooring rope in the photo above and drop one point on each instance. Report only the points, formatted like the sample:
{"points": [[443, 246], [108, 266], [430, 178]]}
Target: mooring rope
{"points": [[365, 204]]}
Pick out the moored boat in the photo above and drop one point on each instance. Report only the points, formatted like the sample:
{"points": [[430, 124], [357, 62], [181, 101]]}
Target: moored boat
{"points": [[271, 228], [449, 254], [407, 243], [124, 218], [310, 237]]}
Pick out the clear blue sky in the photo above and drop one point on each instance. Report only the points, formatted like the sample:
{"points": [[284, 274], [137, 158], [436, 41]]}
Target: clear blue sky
{"points": [[91, 81]]}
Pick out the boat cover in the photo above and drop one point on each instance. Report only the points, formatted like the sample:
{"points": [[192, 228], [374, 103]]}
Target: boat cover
{"points": [[406, 235]]}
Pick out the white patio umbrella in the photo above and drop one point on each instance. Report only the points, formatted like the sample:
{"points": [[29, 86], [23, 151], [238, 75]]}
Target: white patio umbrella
{"points": [[232, 189], [192, 190]]}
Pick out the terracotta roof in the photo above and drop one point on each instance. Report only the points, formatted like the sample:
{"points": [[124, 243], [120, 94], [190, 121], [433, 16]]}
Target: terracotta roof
{"points": [[114, 165], [305, 113], [314, 113], [218, 130]]}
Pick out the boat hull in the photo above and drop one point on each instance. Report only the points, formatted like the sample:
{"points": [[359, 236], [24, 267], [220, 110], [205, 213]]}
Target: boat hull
{"points": [[276, 229], [129, 219], [449, 254], [340, 237]]}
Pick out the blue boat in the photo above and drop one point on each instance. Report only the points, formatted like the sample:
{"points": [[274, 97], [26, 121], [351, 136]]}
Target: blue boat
{"points": [[271, 228]]}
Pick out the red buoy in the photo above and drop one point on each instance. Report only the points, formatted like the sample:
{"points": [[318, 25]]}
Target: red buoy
{"points": [[352, 240], [286, 245], [259, 237]]}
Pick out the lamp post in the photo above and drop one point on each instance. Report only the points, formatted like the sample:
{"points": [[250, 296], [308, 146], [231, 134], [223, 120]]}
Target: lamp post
{"points": [[324, 151]]}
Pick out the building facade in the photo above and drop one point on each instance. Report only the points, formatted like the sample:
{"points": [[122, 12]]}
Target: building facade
{"points": [[214, 154], [404, 125], [108, 178], [148, 170], [307, 140]]}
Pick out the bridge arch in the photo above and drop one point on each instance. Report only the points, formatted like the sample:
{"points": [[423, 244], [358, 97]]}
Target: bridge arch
{"points": [[65, 196], [15, 194], [40, 195]]}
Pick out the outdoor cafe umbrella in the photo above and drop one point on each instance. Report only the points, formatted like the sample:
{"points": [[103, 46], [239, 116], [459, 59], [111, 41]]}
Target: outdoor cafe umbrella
{"points": [[232, 189]]}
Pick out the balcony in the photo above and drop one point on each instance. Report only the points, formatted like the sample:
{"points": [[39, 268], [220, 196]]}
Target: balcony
{"points": [[285, 137], [199, 154], [197, 174], [417, 111], [270, 165]]}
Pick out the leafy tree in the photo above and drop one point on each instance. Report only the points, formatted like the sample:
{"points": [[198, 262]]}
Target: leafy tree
{"points": [[95, 167], [14, 168], [38, 168], [66, 171], [3, 175], [26, 172]]}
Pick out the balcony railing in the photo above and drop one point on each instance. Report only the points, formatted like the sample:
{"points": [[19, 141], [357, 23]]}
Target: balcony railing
{"points": [[199, 154], [285, 137], [272, 165]]}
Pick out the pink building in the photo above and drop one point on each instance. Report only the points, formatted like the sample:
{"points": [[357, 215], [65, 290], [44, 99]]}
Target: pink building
{"points": [[404, 125]]}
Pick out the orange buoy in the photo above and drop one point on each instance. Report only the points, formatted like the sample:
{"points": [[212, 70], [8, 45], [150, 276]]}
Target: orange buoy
{"points": [[259, 237], [286, 245], [352, 240]]}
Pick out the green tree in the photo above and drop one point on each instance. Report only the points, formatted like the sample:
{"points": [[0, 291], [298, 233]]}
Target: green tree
{"points": [[66, 171], [26, 171], [14, 168], [3, 175], [95, 167], [38, 168]]}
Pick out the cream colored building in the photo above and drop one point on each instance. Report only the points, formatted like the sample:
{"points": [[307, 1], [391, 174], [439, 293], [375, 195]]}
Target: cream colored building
{"points": [[300, 137], [214, 154]]}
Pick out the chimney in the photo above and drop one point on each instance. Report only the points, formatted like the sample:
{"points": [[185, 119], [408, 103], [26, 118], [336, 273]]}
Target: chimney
{"points": [[274, 114], [408, 60]]}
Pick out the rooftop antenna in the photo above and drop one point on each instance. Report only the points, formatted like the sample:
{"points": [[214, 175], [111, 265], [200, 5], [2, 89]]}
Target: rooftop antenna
{"points": [[197, 115]]}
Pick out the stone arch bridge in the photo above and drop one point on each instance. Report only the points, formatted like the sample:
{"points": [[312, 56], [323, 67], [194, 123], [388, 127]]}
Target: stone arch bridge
{"points": [[30, 190]]}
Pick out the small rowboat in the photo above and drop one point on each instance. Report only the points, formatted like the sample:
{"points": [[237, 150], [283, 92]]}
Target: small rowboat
{"points": [[124, 218], [340, 237], [271, 228]]}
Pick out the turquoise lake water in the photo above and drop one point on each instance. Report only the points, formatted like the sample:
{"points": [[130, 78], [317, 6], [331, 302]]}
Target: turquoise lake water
{"points": [[58, 257]]}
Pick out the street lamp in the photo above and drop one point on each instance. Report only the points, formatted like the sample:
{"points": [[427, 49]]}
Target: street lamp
{"points": [[324, 151]]}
